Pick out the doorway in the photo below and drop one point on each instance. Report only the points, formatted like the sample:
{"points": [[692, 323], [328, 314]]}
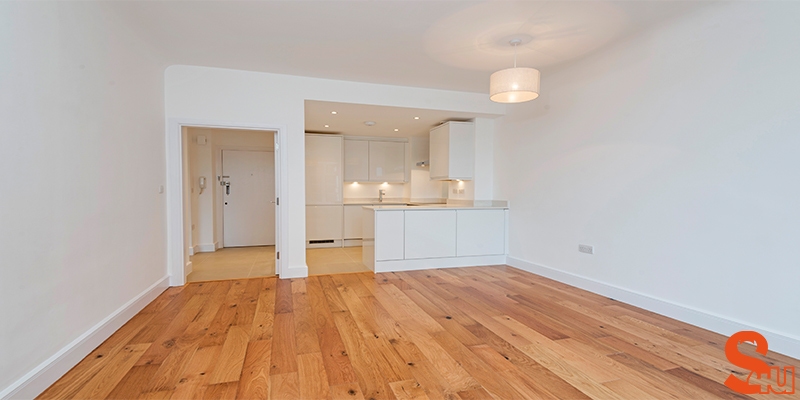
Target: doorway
{"points": [[230, 209]]}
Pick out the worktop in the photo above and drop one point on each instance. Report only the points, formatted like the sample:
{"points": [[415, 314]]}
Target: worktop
{"points": [[390, 201], [419, 207]]}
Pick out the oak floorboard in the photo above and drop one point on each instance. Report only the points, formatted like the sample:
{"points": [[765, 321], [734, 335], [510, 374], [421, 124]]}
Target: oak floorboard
{"points": [[230, 363], [346, 391], [254, 382], [468, 333], [312, 379]]}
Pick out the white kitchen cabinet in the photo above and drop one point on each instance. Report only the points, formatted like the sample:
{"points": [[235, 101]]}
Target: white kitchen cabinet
{"points": [[430, 234], [324, 171], [387, 161], [388, 238], [452, 151], [356, 160], [480, 232], [324, 223], [353, 216]]}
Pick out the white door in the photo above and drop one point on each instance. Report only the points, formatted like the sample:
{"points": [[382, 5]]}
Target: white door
{"points": [[248, 198]]}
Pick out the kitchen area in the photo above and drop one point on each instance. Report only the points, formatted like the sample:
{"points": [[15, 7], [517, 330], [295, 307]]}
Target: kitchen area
{"points": [[391, 189]]}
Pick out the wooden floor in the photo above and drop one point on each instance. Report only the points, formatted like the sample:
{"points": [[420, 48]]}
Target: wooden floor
{"points": [[470, 333]]}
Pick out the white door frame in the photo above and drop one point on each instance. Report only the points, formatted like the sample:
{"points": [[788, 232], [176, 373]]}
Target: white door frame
{"points": [[177, 252]]}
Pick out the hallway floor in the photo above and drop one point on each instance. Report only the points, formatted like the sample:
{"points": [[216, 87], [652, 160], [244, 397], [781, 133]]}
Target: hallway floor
{"points": [[256, 262]]}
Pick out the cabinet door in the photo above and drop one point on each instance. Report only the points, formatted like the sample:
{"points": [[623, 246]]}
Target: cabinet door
{"points": [[462, 150], [324, 222], [430, 234], [352, 221], [356, 160], [324, 175], [440, 152], [452, 151], [387, 161], [481, 232], [388, 235]]}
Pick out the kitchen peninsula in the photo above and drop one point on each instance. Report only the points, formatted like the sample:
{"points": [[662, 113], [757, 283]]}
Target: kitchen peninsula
{"points": [[404, 238]]}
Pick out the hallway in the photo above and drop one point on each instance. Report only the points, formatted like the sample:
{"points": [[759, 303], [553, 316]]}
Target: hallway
{"points": [[259, 262]]}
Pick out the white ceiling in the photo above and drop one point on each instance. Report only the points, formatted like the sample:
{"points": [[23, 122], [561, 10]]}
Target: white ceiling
{"points": [[349, 119], [437, 44]]}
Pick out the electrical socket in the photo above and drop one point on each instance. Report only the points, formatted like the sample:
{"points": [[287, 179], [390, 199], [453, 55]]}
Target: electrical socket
{"points": [[585, 248]]}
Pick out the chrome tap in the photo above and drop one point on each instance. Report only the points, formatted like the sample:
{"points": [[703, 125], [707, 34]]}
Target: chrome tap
{"points": [[381, 193]]}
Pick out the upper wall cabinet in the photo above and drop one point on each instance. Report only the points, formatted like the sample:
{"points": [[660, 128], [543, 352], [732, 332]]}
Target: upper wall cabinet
{"points": [[324, 175], [372, 160], [387, 161], [356, 160], [452, 151]]}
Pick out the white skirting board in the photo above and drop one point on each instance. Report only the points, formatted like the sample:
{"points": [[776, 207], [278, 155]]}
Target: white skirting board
{"points": [[40, 378], [206, 248], [300, 271], [433, 263], [778, 342]]}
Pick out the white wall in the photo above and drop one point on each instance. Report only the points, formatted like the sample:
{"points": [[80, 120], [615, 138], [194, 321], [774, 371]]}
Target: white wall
{"points": [[82, 223], [221, 96], [674, 153], [204, 159]]}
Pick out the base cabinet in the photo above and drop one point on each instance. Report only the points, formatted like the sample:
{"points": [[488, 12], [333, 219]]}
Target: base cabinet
{"points": [[430, 234], [324, 223], [389, 226], [480, 232], [413, 239], [352, 221]]}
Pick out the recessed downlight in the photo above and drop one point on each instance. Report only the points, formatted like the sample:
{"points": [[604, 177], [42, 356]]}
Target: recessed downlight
{"points": [[396, 130], [416, 117], [327, 126], [333, 112], [369, 123]]}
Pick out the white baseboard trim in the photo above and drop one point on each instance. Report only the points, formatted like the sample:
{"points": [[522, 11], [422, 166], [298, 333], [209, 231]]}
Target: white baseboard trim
{"points": [[188, 268], [433, 263], [298, 271], [217, 246], [778, 342], [206, 247], [45, 374], [352, 243]]}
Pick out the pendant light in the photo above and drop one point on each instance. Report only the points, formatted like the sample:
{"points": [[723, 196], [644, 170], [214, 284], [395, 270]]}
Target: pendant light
{"points": [[514, 85]]}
